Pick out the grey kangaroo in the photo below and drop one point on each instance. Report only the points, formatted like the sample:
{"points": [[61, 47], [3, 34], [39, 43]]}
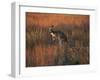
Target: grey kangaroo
{"points": [[57, 35], [61, 39]]}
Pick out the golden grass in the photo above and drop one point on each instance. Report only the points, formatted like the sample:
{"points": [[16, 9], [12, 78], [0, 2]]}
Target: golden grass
{"points": [[41, 51]]}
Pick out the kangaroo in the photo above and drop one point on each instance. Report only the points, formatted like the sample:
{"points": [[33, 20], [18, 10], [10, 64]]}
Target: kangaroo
{"points": [[61, 39], [57, 35]]}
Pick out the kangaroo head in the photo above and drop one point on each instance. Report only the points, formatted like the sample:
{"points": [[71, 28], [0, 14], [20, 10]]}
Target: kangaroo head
{"points": [[51, 31], [51, 28]]}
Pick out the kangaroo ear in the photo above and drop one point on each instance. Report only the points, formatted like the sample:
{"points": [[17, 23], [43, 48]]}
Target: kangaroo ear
{"points": [[52, 26]]}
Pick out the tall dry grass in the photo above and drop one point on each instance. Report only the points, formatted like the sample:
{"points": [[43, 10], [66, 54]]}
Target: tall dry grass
{"points": [[42, 51]]}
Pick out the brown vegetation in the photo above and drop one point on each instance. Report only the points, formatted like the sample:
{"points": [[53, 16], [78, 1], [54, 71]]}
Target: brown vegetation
{"points": [[42, 51]]}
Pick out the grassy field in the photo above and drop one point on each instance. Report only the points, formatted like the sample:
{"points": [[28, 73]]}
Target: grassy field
{"points": [[42, 51]]}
